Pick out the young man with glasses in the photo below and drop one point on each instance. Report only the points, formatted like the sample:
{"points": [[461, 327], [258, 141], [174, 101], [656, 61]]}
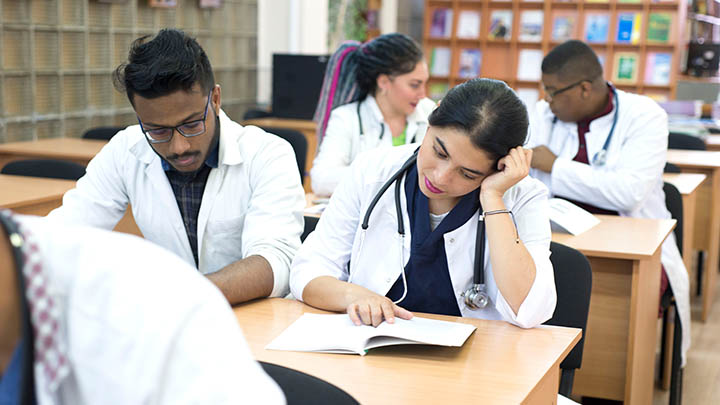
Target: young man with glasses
{"points": [[225, 198], [604, 149]]}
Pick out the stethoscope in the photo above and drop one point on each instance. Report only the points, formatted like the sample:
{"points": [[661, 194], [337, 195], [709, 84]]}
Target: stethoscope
{"points": [[382, 126], [475, 296], [600, 157]]}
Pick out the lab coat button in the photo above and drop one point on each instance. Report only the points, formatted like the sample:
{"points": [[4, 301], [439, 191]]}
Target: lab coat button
{"points": [[452, 240], [387, 280]]}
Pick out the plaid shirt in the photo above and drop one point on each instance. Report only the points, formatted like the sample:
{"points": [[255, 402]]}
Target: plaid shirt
{"points": [[188, 189]]}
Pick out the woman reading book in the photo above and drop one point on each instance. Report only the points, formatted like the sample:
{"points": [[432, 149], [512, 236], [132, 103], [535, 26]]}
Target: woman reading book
{"points": [[454, 226], [373, 95]]}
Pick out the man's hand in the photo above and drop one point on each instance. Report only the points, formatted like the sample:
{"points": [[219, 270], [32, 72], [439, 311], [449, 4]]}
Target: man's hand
{"points": [[542, 158]]}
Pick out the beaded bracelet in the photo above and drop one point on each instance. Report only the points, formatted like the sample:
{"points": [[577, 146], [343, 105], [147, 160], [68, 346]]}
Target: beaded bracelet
{"points": [[486, 213]]}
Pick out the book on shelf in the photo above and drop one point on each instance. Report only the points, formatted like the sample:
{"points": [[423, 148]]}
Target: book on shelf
{"points": [[659, 26], [531, 25], [436, 91], [625, 67], [440, 61], [335, 333], [528, 96], [597, 1], [628, 28], [441, 26], [529, 62], [596, 27], [564, 23], [630, 1], [501, 24], [469, 64], [468, 26], [657, 68]]}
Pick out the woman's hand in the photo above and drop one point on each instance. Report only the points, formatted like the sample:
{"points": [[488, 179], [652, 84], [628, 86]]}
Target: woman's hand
{"points": [[511, 169], [372, 310]]}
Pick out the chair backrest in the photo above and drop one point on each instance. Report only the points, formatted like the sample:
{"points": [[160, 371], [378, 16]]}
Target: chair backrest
{"points": [[101, 133], [310, 224], [50, 168], [671, 168], [673, 201], [573, 283], [303, 389], [297, 141], [253, 113], [684, 141]]}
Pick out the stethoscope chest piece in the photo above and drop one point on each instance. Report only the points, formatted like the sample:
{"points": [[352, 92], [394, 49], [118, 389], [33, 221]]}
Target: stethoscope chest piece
{"points": [[476, 297]]}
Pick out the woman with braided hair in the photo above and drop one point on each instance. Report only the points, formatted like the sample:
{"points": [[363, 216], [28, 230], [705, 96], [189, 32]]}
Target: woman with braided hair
{"points": [[373, 95]]}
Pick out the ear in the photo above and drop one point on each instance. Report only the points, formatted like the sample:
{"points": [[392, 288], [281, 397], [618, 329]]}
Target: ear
{"points": [[383, 82], [587, 88], [216, 98]]}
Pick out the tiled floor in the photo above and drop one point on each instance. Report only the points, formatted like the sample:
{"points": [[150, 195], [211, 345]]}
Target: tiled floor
{"points": [[701, 383]]}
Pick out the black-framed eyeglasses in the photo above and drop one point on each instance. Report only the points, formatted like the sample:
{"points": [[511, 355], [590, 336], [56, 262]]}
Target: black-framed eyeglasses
{"points": [[188, 129], [552, 94]]}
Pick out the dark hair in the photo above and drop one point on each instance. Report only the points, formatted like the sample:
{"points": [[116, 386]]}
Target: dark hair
{"points": [[574, 60], [171, 61], [353, 69], [391, 54], [488, 111]]}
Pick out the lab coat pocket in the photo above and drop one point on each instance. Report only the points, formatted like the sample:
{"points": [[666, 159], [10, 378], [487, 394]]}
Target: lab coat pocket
{"points": [[223, 243], [224, 226]]}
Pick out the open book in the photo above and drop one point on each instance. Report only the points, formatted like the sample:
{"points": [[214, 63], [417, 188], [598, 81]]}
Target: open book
{"points": [[335, 333], [567, 217]]}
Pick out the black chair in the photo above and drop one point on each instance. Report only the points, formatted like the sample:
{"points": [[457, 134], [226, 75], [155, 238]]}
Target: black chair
{"points": [[673, 201], [310, 224], [101, 133], [297, 141], [253, 113], [303, 389], [684, 141], [573, 283], [50, 168], [688, 142], [671, 168]]}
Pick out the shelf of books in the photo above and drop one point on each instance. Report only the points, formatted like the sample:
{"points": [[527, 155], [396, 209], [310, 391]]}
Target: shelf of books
{"points": [[638, 42]]}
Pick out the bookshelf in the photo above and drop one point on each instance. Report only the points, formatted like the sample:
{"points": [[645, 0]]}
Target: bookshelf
{"points": [[639, 53]]}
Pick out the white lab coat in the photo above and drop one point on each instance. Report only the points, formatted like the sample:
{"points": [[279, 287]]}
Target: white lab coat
{"points": [[140, 326], [342, 141], [337, 239], [252, 204], [630, 182]]}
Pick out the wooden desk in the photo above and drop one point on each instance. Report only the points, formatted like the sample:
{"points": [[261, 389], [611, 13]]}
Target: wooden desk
{"points": [[713, 142], [307, 128], [38, 196], [619, 352], [76, 150], [499, 363], [32, 195], [687, 184], [707, 218]]}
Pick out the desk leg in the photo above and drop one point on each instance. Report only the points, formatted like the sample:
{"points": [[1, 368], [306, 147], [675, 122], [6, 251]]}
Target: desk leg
{"points": [[689, 202], [643, 331], [713, 245]]}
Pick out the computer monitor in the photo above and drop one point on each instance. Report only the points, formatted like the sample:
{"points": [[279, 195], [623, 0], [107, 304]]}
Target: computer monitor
{"points": [[296, 83], [703, 59]]}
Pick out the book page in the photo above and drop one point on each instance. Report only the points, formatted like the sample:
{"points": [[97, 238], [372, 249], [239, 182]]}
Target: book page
{"points": [[568, 217], [335, 333]]}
